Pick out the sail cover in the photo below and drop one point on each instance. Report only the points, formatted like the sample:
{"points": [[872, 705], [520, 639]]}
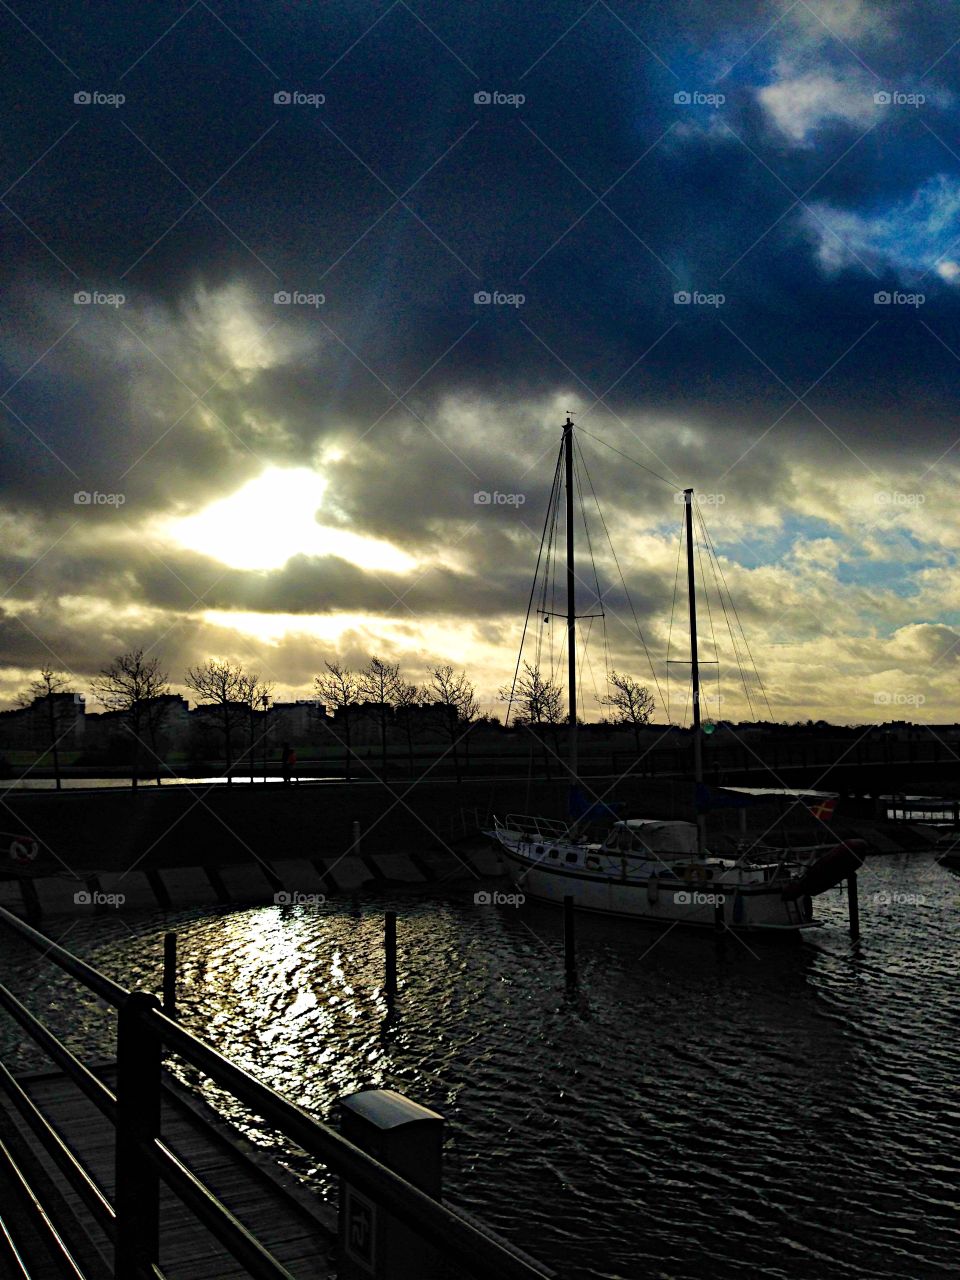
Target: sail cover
{"points": [[664, 837]]}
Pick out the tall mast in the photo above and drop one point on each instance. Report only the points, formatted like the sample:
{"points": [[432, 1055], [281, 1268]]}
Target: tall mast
{"points": [[694, 659], [571, 602]]}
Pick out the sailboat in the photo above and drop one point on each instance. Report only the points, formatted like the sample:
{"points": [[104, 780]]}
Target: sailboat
{"points": [[650, 868]]}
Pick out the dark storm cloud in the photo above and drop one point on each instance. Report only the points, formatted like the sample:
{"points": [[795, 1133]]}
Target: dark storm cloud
{"points": [[598, 199], [507, 185]]}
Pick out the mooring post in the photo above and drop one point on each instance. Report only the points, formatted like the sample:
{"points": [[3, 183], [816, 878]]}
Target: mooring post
{"points": [[170, 974], [569, 942], [390, 948], [853, 905], [137, 1248]]}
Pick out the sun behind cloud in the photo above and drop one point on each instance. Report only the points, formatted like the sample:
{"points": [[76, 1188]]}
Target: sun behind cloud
{"points": [[275, 516]]}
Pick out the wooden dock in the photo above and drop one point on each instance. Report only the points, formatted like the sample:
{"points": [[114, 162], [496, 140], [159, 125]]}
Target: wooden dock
{"points": [[299, 1231]]}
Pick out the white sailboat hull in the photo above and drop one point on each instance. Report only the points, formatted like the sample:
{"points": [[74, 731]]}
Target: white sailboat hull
{"points": [[735, 897]]}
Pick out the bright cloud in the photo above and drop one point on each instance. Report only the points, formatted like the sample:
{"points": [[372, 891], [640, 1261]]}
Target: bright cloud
{"points": [[274, 517]]}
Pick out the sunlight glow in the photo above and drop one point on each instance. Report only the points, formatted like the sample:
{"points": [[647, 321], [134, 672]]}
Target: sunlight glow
{"points": [[273, 517]]}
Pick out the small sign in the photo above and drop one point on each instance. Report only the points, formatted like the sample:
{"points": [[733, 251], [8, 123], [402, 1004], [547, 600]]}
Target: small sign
{"points": [[359, 1240]]}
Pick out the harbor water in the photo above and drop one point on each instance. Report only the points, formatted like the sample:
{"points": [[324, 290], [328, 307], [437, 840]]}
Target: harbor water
{"points": [[685, 1112]]}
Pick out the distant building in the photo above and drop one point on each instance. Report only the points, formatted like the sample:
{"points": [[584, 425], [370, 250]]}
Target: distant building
{"points": [[29, 728], [106, 728], [174, 717], [297, 722]]}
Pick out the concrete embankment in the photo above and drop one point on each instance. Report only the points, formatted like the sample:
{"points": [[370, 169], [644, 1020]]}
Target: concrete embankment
{"points": [[180, 846], [108, 829]]}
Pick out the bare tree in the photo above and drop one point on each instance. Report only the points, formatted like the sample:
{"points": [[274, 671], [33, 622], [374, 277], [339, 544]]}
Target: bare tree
{"points": [[48, 684], [132, 686], [221, 684], [539, 704], [457, 708], [339, 691], [538, 700], [631, 702], [380, 684]]}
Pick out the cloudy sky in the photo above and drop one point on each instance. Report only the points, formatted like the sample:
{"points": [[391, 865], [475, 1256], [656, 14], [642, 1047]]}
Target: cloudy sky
{"points": [[725, 236]]}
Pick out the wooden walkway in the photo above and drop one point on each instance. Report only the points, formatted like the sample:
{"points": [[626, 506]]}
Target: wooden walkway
{"points": [[299, 1231]]}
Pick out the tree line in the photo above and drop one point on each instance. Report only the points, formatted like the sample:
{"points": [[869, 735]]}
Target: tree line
{"points": [[137, 690]]}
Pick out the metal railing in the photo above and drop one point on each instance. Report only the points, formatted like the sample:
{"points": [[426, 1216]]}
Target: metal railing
{"points": [[535, 828], [143, 1160]]}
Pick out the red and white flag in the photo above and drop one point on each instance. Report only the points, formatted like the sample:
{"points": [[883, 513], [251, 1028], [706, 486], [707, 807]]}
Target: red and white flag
{"points": [[823, 809]]}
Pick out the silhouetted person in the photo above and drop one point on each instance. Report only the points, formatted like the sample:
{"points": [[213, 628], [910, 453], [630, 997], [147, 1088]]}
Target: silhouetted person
{"points": [[285, 763]]}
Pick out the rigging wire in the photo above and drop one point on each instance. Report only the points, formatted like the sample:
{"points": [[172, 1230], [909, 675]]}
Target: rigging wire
{"points": [[547, 560], [555, 658], [746, 643], [673, 609], [655, 474], [548, 594], [706, 596], [733, 637], [586, 528], [533, 587], [585, 662], [715, 562], [585, 640], [636, 621]]}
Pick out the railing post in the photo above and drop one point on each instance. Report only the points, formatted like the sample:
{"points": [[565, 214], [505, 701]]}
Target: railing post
{"points": [[138, 1121]]}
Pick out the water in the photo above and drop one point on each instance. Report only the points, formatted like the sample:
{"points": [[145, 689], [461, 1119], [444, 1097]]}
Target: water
{"points": [[771, 1110]]}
